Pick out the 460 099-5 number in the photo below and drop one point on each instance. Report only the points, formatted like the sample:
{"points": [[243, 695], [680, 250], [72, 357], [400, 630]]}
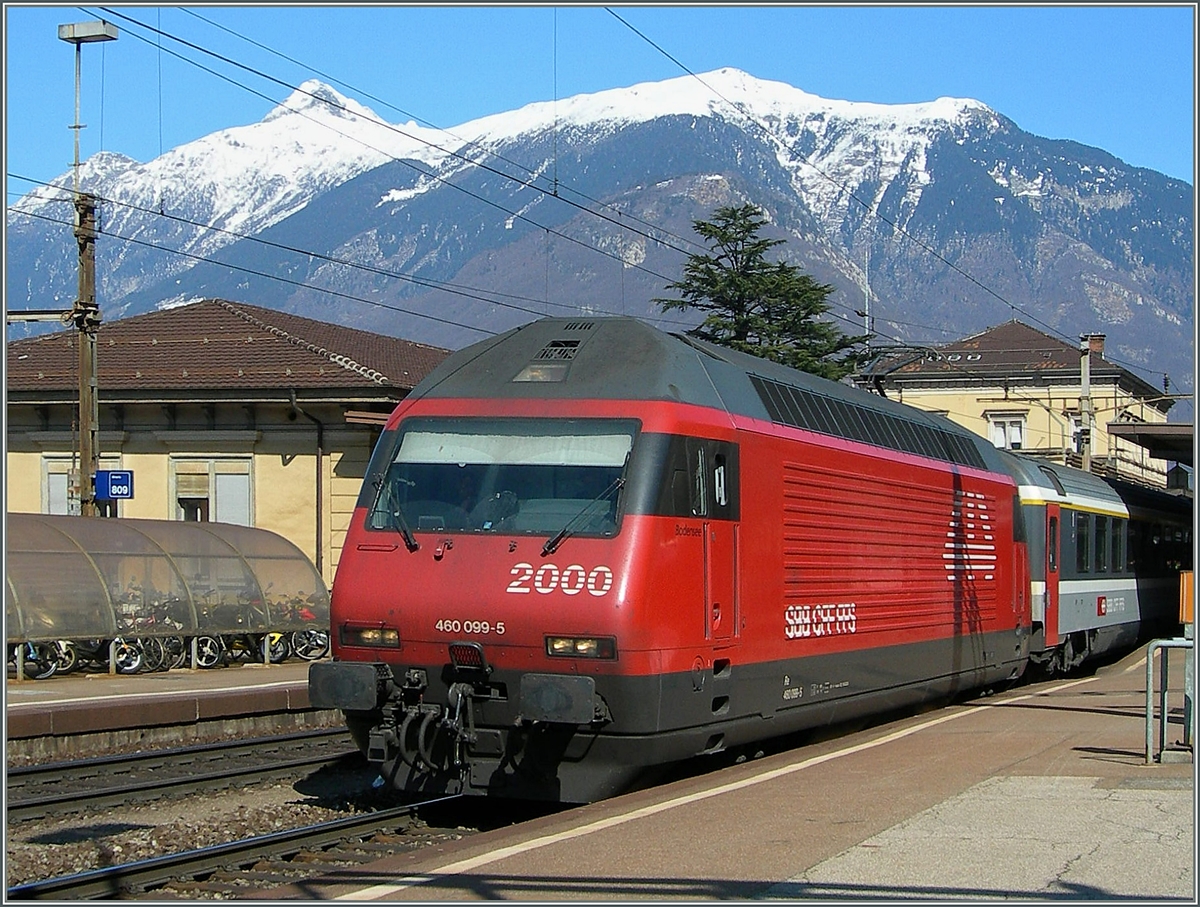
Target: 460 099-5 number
{"points": [[480, 627]]}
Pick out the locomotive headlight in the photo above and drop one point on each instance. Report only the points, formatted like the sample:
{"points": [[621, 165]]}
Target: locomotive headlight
{"points": [[581, 646], [370, 637]]}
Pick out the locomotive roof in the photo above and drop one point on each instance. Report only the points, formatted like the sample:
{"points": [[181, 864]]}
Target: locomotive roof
{"points": [[623, 358]]}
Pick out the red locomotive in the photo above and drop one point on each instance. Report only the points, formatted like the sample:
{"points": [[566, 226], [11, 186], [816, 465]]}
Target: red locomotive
{"points": [[587, 547]]}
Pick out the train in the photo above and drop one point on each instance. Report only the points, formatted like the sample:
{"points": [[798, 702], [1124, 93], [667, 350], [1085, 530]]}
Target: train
{"points": [[588, 548]]}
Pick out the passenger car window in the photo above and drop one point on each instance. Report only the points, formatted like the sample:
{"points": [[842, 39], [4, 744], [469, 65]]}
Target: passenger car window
{"points": [[1083, 542]]}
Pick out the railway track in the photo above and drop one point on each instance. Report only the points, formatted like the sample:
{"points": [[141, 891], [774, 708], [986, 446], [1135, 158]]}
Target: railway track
{"points": [[243, 868], [52, 789]]}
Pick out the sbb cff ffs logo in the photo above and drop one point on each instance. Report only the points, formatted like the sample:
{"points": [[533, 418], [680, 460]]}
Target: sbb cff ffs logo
{"points": [[803, 621]]}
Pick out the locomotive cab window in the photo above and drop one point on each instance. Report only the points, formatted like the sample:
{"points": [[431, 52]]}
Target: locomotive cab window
{"points": [[522, 476], [699, 476]]}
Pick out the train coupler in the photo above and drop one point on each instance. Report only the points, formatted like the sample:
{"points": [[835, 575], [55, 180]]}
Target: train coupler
{"points": [[381, 744]]}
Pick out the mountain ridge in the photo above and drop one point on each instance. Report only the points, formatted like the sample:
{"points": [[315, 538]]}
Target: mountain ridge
{"points": [[957, 216]]}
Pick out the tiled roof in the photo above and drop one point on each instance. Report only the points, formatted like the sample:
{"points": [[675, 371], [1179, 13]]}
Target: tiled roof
{"points": [[1008, 349], [216, 345]]}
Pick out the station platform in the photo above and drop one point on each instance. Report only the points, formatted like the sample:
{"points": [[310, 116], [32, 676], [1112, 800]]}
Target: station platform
{"points": [[86, 714], [1039, 793]]}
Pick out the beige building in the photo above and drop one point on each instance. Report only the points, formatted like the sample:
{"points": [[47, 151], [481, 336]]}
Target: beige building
{"points": [[221, 411], [1023, 390]]}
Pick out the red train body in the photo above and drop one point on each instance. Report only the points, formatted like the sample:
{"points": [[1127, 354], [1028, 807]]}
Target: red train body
{"points": [[588, 548]]}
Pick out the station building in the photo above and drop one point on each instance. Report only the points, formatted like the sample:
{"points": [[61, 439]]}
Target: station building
{"points": [[1023, 389], [222, 412]]}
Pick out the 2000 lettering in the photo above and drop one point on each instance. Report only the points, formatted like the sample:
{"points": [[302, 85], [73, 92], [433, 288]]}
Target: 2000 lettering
{"points": [[570, 580]]}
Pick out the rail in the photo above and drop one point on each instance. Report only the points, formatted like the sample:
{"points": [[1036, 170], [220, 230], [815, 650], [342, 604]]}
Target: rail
{"points": [[1166, 645], [52, 789], [130, 879]]}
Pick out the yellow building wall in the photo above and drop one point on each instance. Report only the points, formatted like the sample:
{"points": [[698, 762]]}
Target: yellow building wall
{"points": [[284, 488], [1047, 420], [346, 480], [150, 499], [23, 484]]}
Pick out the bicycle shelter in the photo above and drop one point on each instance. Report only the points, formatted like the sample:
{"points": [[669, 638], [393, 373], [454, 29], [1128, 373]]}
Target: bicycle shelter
{"points": [[74, 577]]}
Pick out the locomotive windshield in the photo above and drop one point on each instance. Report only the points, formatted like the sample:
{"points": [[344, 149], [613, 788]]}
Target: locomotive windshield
{"points": [[507, 476]]}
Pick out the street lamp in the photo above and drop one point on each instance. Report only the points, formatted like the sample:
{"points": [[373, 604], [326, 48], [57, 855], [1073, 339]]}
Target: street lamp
{"points": [[85, 313], [79, 34]]}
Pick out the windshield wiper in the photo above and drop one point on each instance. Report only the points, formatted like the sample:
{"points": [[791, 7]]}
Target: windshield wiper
{"points": [[399, 523], [557, 539], [401, 526]]}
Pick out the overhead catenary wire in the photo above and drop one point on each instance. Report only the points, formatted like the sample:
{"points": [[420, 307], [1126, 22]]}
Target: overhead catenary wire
{"points": [[371, 302], [467, 292], [523, 181], [467, 143]]}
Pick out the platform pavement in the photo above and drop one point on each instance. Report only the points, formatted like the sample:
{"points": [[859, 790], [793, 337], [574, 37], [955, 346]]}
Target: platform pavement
{"points": [[1041, 793], [69, 716]]}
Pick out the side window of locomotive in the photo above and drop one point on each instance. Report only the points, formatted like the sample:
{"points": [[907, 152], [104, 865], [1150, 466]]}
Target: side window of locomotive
{"points": [[680, 497], [1052, 545], [723, 468], [699, 479], [1083, 543], [720, 491]]}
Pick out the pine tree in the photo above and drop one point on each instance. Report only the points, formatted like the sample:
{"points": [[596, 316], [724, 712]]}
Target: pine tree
{"points": [[767, 309]]}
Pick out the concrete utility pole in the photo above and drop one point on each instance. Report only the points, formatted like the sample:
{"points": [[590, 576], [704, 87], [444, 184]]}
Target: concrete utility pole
{"points": [[86, 313]]}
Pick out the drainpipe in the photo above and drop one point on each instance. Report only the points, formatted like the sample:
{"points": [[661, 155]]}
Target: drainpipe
{"points": [[296, 410]]}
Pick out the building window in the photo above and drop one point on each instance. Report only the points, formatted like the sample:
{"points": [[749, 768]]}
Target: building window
{"points": [[58, 495], [217, 490], [1007, 431]]}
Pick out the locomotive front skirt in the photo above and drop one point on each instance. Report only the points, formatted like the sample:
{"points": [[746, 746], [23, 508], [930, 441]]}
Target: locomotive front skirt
{"points": [[587, 548]]}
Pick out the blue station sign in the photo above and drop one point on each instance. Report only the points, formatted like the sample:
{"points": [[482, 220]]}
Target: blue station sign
{"points": [[114, 484]]}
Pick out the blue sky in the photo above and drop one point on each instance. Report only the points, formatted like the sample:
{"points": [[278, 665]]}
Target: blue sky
{"points": [[1116, 77]]}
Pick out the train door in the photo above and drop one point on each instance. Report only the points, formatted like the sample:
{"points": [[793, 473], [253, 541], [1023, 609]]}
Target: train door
{"points": [[1053, 550], [714, 488], [720, 578]]}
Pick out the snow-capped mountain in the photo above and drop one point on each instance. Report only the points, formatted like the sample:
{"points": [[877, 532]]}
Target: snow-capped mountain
{"points": [[959, 219], [207, 194]]}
